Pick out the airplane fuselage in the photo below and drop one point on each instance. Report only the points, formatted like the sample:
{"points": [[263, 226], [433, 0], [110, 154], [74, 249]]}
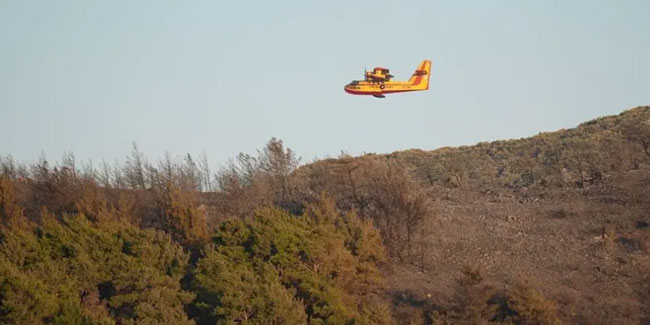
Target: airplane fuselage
{"points": [[380, 88]]}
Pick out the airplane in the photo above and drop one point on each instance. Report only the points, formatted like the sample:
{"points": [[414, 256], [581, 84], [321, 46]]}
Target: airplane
{"points": [[378, 82]]}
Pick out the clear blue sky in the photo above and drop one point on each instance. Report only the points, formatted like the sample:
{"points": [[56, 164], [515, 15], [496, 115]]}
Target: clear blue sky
{"points": [[91, 77]]}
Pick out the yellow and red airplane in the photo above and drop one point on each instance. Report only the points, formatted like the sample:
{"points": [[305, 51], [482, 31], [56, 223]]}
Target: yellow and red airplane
{"points": [[378, 82]]}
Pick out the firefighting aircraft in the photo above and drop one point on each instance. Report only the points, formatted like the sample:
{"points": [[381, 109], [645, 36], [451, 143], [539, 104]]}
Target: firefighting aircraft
{"points": [[378, 82]]}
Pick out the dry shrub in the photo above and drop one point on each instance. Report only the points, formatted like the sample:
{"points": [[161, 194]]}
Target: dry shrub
{"points": [[474, 295], [530, 306], [608, 235], [568, 210], [472, 298], [409, 315], [126, 207], [248, 182], [183, 219], [93, 204], [387, 193], [645, 241], [439, 318], [474, 301], [10, 210], [376, 312], [379, 189]]}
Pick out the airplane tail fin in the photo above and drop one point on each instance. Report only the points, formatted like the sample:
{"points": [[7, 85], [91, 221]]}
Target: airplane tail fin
{"points": [[420, 78]]}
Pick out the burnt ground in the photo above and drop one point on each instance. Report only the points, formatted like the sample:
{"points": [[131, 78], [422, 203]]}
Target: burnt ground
{"points": [[587, 248]]}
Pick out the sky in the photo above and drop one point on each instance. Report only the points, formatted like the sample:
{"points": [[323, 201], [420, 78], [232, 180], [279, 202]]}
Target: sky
{"points": [[223, 77]]}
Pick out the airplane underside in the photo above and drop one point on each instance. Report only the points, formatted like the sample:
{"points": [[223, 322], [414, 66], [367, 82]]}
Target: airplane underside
{"points": [[377, 93]]}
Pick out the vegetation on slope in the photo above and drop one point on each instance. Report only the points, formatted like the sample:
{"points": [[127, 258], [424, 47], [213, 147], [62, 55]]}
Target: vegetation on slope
{"points": [[259, 242]]}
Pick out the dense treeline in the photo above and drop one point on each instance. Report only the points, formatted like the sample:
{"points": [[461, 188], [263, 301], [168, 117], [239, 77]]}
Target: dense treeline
{"points": [[93, 266], [265, 240]]}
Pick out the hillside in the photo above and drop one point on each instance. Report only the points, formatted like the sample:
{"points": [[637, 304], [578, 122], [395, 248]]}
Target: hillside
{"points": [[567, 210], [538, 230]]}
